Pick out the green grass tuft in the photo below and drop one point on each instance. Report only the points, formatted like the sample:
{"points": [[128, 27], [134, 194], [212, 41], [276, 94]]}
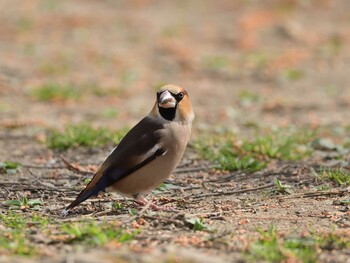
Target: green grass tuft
{"points": [[23, 204], [293, 74], [197, 224], [82, 134], [247, 98], [9, 167], [332, 241], [229, 152], [92, 233], [56, 92], [110, 113], [282, 188], [18, 233], [338, 175], [271, 248], [216, 62], [15, 231]]}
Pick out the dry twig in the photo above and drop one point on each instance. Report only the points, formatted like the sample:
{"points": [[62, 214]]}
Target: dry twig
{"points": [[315, 194], [74, 168]]}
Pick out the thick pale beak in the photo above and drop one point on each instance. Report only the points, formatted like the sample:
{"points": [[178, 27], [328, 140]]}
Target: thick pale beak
{"points": [[166, 100]]}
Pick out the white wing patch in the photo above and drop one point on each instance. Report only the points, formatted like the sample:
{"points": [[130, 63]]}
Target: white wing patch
{"points": [[112, 150], [151, 152]]}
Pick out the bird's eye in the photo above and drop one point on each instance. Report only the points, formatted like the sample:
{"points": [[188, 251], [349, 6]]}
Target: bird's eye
{"points": [[180, 95]]}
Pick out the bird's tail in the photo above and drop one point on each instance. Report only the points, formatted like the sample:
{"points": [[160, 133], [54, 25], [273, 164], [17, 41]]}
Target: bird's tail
{"points": [[81, 198], [92, 189]]}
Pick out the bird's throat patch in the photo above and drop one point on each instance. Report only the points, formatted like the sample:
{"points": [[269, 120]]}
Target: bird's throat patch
{"points": [[168, 113]]}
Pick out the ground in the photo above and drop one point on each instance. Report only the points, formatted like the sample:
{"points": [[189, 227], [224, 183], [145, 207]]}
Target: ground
{"points": [[266, 65]]}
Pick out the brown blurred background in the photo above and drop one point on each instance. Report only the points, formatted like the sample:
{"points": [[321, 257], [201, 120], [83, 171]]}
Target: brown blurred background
{"points": [[243, 62]]}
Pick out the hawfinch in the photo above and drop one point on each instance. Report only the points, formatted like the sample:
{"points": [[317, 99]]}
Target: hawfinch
{"points": [[148, 153]]}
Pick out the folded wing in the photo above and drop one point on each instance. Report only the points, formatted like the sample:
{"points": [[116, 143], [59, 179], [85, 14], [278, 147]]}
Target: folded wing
{"points": [[139, 147]]}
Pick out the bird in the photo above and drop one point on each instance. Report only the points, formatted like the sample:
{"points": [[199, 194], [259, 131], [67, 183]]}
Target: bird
{"points": [[148, 153]]}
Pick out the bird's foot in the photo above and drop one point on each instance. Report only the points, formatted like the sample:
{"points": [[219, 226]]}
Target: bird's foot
{"points": [[149, 204], [64, 212]]}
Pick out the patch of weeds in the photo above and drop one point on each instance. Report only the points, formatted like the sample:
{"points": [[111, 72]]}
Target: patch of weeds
{"points": [[92, 233], [225, 153], [271, 248], [128, 77], [9, 167], [5, 107], [30, 49], [49, 5], [303, 248], [332, 90], [132, 211], [23, 204], [332, 241], [344, 132], [56, 92], [24, 24], [283, 144], [14, 235], [324, 188], [231, 153], [117, 206], [110, 113], [172, 31], [102, 91], [330, 49], [165, 187], [293, 74], [216, 62], [82, 134], [87, 180], [228, 161], [282, 188], [22, 234], [257, 59], [342, 202], [40, 220], [14, 242], [14, 220], [196, 224], [338, 175], [247, 98], [285, 8], [345, 144]]}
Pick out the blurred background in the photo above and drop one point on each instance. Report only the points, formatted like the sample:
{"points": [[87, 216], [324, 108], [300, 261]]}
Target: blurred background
{"points": [[244, 62]]}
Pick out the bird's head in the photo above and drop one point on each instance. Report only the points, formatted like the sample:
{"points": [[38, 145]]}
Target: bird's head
{"points": [[173, 104]]}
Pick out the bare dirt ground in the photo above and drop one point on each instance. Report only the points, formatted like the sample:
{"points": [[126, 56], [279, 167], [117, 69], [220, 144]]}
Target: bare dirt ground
{"points": [[277, 63]]}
